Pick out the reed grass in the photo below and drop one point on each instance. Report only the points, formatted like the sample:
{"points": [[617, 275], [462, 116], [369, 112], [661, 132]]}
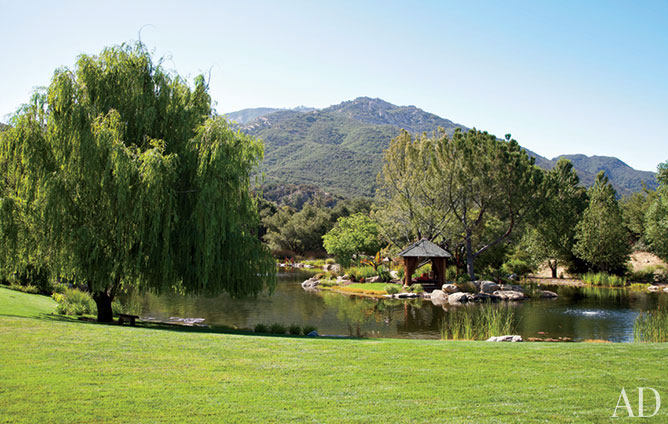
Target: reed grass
{"points": [[651, 327], [603, 279], [478, 322]]}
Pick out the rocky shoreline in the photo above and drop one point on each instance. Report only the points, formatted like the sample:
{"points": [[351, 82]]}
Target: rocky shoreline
{"points": [[452, 294]]}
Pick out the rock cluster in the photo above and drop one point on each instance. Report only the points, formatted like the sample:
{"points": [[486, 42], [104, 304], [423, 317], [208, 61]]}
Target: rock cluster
{"points": [[488, 291], [507, 338]]}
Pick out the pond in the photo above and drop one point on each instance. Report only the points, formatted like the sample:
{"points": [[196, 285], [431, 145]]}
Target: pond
{"points": [[578, 313]]}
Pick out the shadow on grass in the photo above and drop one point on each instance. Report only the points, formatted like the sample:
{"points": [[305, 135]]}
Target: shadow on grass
{"points": [[161, 326]]}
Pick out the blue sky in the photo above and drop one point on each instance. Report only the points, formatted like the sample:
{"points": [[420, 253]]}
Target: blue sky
{"points": [[562, 77]]}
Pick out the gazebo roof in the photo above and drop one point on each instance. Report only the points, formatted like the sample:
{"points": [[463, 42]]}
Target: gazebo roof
{"points": [[424, 249]]}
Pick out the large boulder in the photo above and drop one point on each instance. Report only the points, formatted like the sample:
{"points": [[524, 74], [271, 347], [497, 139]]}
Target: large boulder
{"points": [[509, 295], [373, 279], [654, 288], [459, 298], [507, 338], [310, 284], [450, 288], [333, 268], [513, 287], [489, 286], [546, 294], [439, 297]]}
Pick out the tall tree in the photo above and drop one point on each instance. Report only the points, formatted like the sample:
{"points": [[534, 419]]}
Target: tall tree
{"points": [[352, 236], [298, 232], [634, 210], [126, 179], [468, 192], [552, 236], [656, 223], [601, 239]]}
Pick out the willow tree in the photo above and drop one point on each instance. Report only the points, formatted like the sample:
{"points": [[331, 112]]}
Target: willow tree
{"points": [[124, 178], [467, 192]]}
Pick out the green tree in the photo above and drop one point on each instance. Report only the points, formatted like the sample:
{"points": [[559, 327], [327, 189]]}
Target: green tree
{"points": [[298, 232], [123, 178], [601, 239], [634, 211], [656, 223], [467, 192], [352, 236], [552, 237]]}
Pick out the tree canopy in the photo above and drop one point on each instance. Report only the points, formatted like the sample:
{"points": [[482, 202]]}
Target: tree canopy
{"points": [[352, 236], [119, 176], [552, 235], [601, 238], [656, 223], [467, 192]]}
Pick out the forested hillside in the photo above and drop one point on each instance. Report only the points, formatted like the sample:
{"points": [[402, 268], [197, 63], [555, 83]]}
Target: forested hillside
{"points": [[339, 148]]}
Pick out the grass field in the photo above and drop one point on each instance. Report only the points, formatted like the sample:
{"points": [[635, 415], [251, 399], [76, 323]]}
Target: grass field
{"points": [[54, 370]]}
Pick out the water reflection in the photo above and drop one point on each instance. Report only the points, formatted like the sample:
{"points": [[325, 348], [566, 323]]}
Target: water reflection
{"points": [[578, 313]]}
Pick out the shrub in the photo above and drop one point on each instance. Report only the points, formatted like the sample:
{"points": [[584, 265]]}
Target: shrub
{"points": [[74, 302], [294, 330], [28, 288], [60, 287], [392, 288], [603, 279], [416, 288], [277, 329], [451, 273], [384, 274], [356, 273], [318, 263], [463, 279], [649, 274], [517, 266], [261, 328], [309, 328], [330, 261]]}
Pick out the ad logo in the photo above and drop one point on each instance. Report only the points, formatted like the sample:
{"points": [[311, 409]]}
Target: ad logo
{"points": [[641, 403]]}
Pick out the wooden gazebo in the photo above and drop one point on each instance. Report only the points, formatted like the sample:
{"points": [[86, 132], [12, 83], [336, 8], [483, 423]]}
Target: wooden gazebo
{"points": [[421, 252]]}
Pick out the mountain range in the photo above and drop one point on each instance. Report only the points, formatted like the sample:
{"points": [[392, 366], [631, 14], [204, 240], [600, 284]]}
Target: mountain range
{"points": [[340, 148]]}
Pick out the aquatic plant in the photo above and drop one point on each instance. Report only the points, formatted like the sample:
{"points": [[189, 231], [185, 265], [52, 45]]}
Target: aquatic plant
{"points": [[651, 326], [478, 322], [603, 279]]}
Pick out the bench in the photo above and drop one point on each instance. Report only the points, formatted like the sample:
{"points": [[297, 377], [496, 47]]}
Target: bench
{"points": [[127, 317]]}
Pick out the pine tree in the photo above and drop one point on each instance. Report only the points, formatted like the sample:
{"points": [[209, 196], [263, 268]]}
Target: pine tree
{"points": [[601, 238]]}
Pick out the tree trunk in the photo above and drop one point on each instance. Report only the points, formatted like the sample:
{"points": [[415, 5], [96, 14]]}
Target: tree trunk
{"points": [[469, 256], [553, 267], [103, 302]]}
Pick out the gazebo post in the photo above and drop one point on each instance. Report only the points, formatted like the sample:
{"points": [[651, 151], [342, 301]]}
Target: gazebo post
{"points": [[409, 268]]}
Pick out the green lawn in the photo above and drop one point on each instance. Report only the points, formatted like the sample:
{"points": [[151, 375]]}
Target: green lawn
{"points": [[54, 370], [16, 303]]}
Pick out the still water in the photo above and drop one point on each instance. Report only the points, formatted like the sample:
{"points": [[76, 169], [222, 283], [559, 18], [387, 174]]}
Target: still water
{"points": [[578, 313]]}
